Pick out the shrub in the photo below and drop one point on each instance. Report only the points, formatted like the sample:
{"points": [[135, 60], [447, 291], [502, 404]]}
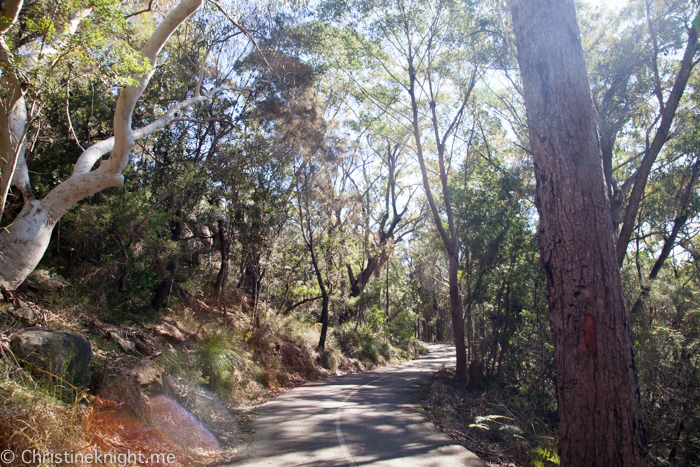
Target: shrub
{"points": [[369, 346], [218, 356], [330, 359]]}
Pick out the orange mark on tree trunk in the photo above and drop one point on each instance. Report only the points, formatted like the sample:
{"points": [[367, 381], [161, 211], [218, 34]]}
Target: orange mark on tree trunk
{"points": [[589, 334]]}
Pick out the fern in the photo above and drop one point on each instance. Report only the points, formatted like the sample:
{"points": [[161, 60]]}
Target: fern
{"points": [[547, 457]]}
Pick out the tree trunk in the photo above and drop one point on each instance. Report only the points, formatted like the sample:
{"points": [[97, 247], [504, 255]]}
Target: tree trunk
{"points": [[324, 322], [457, 321], [161, 291], [225, 250], [24, 242], [449, 239], [251, 277], [357, 285], [600, 419], [74, 259], [324, 294]]}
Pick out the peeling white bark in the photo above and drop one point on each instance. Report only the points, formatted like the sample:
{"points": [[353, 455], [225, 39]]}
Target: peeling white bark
{"points": [[13, 115], [13, 111], [24, 243]]}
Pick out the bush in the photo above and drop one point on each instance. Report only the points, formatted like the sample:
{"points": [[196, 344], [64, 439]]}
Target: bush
{"points": [[218, 360], [330, 359], [348, 339], [415, 347], [369, 346]]}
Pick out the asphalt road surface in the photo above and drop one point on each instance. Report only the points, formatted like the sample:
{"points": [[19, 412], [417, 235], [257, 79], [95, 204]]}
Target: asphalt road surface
{"points": [[369, 418]]}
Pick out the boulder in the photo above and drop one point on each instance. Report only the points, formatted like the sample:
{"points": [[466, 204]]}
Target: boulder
{"points": [[59, 354], [128, 395], [170, 332], [24, 312], [182, 429], [131, 390], [46, 281]]}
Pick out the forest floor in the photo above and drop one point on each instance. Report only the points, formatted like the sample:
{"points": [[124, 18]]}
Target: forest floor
{"points": [[494, 425]]}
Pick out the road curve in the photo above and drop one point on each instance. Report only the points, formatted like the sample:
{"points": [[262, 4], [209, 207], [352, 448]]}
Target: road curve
{"points": [[369, 418]]}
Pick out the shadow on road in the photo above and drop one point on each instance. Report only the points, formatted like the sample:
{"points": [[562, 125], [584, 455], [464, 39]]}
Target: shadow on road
{"points": [[368, 418]]}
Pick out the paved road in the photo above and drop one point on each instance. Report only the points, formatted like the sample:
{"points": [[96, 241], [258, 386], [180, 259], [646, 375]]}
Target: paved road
{"points": [[369, 418]]}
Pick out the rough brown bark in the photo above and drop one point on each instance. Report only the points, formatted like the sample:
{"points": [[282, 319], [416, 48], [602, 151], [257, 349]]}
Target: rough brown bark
{"points": [[600, 420]]}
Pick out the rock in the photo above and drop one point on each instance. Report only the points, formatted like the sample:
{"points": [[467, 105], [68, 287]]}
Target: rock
{"points": [[131, 390], [206, 406], [125, 344], [130, 398], [148, 376], [24, 312], [187, 414], [60, 354], [169, 331], [144, 347], [48, 282]]}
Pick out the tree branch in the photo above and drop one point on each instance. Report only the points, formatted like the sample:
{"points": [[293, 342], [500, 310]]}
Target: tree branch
{"points": [[146, 10], [660, 138]]}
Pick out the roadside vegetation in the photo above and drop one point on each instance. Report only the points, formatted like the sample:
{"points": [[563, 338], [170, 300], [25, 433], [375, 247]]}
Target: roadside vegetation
{"points": [[303, 190], [242, 365]]}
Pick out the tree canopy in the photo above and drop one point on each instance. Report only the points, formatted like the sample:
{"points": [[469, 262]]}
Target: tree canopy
{"points": [[370, 168]]}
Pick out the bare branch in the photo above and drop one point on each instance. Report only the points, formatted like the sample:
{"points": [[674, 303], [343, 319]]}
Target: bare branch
{"points": [[667, 115], [146, 10], [70, 122], [243, 30]]}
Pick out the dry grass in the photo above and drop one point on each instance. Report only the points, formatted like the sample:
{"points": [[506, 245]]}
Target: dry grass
{"points": [[33, 419], [207, 344], [30, 419]]}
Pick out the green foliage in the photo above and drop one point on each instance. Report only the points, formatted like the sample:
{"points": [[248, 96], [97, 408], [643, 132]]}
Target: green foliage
{"points": [[369, 346], [375, 320], [104, 48], [545, 457], [219, 358], [330, 359], [260, 176], [667, 338]]}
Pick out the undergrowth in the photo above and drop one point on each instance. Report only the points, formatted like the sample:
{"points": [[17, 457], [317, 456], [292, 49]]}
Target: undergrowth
{"points": [[221, 350], [502, 425]]}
